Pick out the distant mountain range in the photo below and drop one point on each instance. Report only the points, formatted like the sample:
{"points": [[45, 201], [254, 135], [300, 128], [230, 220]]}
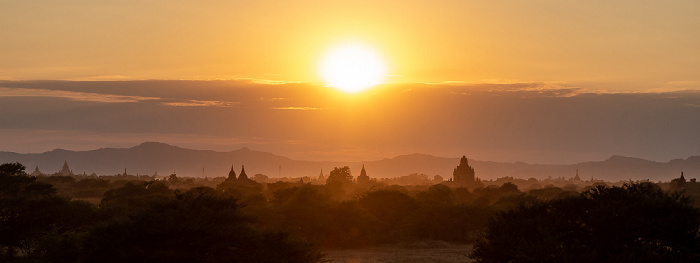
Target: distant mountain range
{"points": [[153, 157]]}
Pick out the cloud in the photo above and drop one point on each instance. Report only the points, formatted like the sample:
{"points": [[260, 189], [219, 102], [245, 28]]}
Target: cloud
{"points": [[72, 95], [109, 98], [684, 83], [298, 108], [558, 88], [546, 89], [103, 78], [677, 86], [272, 99], [201, 103], [267, 81]]}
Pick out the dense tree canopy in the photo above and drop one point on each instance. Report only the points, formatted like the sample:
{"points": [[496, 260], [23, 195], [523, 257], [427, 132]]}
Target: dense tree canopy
{"points": [[33, 216], [138, 219], [138, 222], [633, 223], [200, 225], [340, 175]]}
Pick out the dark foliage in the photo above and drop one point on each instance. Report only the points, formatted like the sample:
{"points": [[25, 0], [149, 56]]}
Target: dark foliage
{"points": [[455, 223], [32, 216], [200, 225], [134, 198], [309, 213], [138, 222], [633, 223], [389, 206], [340, 176], [174, 220]]}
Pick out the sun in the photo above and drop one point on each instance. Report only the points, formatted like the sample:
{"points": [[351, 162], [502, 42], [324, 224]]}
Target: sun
{"points": [[352, 68]]}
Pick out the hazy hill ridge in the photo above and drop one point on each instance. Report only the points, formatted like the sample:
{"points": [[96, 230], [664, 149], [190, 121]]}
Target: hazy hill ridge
{"points": [[151, 157]]}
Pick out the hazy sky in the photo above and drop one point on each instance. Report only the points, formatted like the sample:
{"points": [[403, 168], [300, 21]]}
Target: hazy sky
{"points": [[532, 122], [626, 44], [538, 81]]}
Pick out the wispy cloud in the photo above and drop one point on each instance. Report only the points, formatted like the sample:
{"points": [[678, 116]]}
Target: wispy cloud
{"points": [[299, 108], [548, 89], [272, 99], [109, 98], [201, 103], [557, 89], [72, 95], [103, 78], [267, 81], [677, 86]]}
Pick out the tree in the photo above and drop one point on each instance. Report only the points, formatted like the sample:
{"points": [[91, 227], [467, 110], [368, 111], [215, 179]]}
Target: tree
{"points": [[389, 206], [452, 223], [436, 195], [134, 198], [633, 223], [393, 209], [10, 169], [339, 182], [200, 225], [32, 215], [340, 176], [260, 178], [509, 187], [20, 196]]}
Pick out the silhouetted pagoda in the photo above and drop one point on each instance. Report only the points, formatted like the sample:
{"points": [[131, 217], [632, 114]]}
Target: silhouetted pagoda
{"points": [[681, 182], [231, 174], [464, 173], [243, 176], [240, 184], [65, 171], [363, 178], [321, 178], [36, 171]]}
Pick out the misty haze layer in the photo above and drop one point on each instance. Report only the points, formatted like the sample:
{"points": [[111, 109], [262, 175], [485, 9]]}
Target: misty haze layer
{"points": [[531, 122]]}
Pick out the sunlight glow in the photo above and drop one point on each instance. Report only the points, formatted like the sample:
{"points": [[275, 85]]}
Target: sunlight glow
{"points": [[352, 68]]}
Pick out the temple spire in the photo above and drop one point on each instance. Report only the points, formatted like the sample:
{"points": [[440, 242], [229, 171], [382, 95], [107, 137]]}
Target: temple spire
{"points": [[36, 171], [363, 178], [65, 170], [321, 178], [464, 173], [232, 174], [243, 176]]}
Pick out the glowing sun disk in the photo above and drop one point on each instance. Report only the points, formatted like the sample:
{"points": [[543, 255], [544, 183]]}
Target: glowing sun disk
{"points": [[352, 68]]}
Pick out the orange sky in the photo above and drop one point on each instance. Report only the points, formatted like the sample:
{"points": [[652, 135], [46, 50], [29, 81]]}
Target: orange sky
{"points": [[546, 81], [627, 45]]}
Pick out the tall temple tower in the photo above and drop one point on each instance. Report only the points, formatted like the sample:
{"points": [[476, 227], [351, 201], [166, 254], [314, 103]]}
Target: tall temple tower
{"points": [[65, 171], [321, 178], [36, 171], [363, 178], [464, 173], [231, 174], [243, 176]]}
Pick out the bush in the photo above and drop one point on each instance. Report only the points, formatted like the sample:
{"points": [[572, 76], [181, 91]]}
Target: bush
{"points": [[200, 225], [633, 223]]}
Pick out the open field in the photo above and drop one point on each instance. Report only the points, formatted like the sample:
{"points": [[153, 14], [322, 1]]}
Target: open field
{"points": [[434, 251]]}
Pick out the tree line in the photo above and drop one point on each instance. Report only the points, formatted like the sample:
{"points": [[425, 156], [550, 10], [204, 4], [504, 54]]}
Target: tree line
{"points": [[245, 221]]}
